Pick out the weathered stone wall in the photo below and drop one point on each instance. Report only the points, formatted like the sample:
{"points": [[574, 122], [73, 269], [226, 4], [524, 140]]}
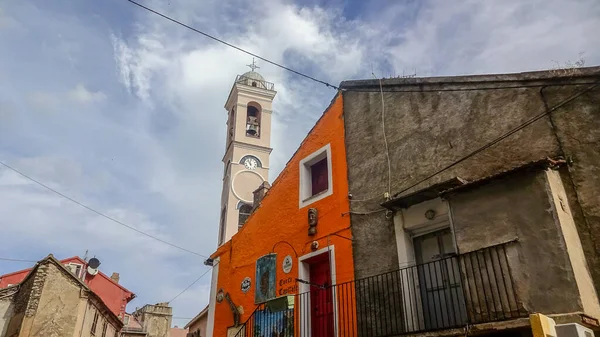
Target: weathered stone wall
{"points": [[540, 264], [55, 313], [6, 307], [156, 319], [24, 300], [427, 130]]}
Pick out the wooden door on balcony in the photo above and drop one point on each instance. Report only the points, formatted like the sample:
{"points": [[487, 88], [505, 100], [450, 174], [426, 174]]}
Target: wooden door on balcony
{"points": [[442, 300], [321, 297]]}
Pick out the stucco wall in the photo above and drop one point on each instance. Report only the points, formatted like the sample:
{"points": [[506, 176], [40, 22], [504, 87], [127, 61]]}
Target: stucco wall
{"points": [[6, 308], [427, 130], [90, 307], [519, 206], [56, 313], [200, 326], [280, 226], [578, 129]]}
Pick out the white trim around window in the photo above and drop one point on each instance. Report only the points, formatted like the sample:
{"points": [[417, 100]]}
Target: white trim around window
{"points": [[305, 197]]}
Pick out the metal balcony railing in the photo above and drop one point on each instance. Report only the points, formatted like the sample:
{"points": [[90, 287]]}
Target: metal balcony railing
{"points": [[471, 288], [241, 79]]}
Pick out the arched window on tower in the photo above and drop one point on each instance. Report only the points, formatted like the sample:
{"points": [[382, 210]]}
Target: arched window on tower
{"points": [[231, 125], [245, 210], [253, 120]]}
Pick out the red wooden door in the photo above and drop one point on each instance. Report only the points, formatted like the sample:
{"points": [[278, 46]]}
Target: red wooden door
{"points": [[321, 299]]}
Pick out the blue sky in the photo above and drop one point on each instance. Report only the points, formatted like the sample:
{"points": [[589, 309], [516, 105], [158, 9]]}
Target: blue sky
{"points": [[123, 110]]}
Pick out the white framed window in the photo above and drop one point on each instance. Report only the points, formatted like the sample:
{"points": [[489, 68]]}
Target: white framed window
{"points": [[75, 268], [316, 178]]}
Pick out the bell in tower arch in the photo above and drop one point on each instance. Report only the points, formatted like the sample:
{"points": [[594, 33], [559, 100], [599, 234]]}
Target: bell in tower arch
{"points": [[253, 122]]}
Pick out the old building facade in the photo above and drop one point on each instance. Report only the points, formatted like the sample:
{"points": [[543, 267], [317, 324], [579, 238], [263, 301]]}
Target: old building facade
{"points": [[294, 249], [52, 301], [108, 288], [479, 203]]}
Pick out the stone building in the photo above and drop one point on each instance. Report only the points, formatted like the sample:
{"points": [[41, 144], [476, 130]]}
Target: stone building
{"points": [[113, 294], [52, 301], [151, 320], [479, 202]]}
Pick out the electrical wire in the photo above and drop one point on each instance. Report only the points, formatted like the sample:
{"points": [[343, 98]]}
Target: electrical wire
{"points": [[188, 287], [387, 150], [480, 88], [329, 84], [504, 136], [232, 45], [98, 212], [16, 260]]}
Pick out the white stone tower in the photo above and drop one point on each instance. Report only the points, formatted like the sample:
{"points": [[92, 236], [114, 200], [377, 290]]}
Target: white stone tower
{"points": [[247, 148]]}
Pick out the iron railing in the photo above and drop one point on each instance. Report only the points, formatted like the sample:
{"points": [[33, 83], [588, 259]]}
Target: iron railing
{"points": [[241, 79], [470, 288]]}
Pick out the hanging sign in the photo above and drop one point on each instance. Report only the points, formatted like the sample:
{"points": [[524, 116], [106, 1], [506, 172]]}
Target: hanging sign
{"points": [[287, 264], [246, 284]]}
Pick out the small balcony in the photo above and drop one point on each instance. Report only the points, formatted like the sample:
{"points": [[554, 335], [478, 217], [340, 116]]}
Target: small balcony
{"points": [[472, 288], [253, 82]]}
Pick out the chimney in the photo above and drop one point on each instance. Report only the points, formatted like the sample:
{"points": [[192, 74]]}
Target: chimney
{"points": [[259, 194], [115, 277]]}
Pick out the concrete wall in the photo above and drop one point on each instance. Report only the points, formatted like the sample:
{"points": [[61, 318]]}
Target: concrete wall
{"points": [[519, 206], [428, 129]]}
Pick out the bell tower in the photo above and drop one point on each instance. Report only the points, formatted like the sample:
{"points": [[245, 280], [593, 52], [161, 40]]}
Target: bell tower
{"points": [[246, 159]]}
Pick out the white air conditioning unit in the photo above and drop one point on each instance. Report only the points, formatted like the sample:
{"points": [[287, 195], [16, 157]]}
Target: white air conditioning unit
{"points": [[573, 330]]}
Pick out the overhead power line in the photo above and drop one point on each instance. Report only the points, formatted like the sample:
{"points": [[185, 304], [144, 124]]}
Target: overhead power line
{"points": [[418, 87], [188, 287], [504, 136], [232, 45], [16, 260], [98, 212]]}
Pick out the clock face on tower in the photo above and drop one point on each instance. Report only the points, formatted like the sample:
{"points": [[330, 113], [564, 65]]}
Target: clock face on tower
{"points": [[250, 162]]}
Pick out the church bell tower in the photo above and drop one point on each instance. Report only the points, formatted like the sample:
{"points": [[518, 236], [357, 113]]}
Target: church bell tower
{"points": [[246, 159]]}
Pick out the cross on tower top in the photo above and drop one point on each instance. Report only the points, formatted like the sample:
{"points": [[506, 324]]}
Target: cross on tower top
{"points": [[253, 66]]}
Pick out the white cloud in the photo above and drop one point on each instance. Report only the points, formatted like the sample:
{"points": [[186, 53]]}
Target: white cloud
{"points": [[150, 155], [43, 100], [81, 94]]}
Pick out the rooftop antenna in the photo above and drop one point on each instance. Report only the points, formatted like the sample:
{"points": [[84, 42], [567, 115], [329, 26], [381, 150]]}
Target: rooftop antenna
{"points": [[85, 255], [253, 66]]}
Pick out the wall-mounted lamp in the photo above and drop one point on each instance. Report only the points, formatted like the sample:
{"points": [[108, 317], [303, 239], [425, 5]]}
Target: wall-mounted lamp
{"points": [[208, 262]]}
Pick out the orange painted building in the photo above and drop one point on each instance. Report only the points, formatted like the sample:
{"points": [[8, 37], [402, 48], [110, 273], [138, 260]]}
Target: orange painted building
{"points": [[278, 232]]}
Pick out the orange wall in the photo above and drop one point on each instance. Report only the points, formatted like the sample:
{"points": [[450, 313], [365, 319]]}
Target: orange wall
{"points": [[280, 219]]}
